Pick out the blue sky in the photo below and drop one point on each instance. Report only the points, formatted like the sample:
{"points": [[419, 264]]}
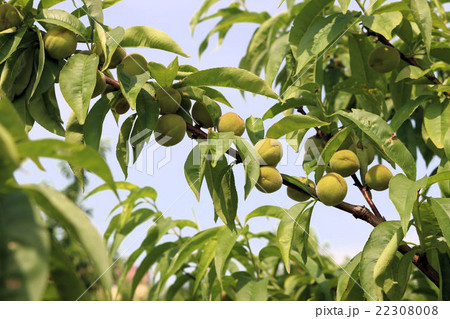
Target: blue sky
{"points": [[338, 231]]}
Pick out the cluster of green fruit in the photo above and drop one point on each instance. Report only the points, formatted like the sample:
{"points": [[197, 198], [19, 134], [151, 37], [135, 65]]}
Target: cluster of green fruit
{"points": [[332, 188], [10, 17], [270, 152]]}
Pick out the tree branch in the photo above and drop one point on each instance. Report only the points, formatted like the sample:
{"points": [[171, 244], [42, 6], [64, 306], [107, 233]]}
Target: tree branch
{"points": [[359, 212]]}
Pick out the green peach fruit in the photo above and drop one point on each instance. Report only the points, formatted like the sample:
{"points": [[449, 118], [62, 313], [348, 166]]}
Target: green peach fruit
{"points": [[270, 151], [378, 177], [331, 189], [117, 57], [121, 106], [206, 115], [170, 130], [134, 64], [100, 84], [298, 195], [269, 180], [9, 17], [231, 122], [60, 43], [344, 163], [169, 100], [384, 59]]}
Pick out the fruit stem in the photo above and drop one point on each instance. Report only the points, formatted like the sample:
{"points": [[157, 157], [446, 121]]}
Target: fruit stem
{"points": [[366, 193]]}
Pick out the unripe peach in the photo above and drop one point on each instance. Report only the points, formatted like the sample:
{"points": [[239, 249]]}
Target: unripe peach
{"points": [[378, 177], [231, 122], [206, 115], [384, 59], [299, 195], [9, 16], [270, 151], [269, 180], [100, 84], [331, 189], [345, 163], [134, 64], [116, 58], [121, 106], [169, 100], [60, 43], [170, 130]]}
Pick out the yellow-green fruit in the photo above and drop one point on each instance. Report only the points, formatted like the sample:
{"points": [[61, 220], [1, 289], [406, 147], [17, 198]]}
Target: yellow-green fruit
{"points": [[344, 163], [269, 180], [206, 115], [170, 130], [100, 84], [378, 177], [384, 59], [134, 64], [169, 100], [116, 58], [9, 17], [297, 195], [122, 106], [270, 151], [331, 189], [60, 43], [186, 103], [231, 122]]}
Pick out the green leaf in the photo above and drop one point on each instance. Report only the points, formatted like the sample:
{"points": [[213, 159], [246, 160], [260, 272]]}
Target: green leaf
{"points": [[45, 112], [9, 156], [255, 129], [403, 193], [322, 33], [9, 43], [206, 5], [24, 249], [267, 211], [348, 287], [304, 99], [74, 135], [383, 23], [422, 15], [344, 5], [194, 168], [277, 54], [118, 185], [250, 290], [410, 72], [205, 260], [383, 135], [164, 76], [286, 228], [123, 148], [93, 125], [226, 240], [232, 78], [94, 9], [441, 176], [293, 123], [77, 82], [441, 209], [130, 85], [377, 254], [147, 37], [406, 111], [303, 21], [436, 121], [78, 155], [219, 144], [77, 224], [62, 19], [251, 163], [113, 38]]}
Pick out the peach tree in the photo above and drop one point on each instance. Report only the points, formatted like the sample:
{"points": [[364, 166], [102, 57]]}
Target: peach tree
{"points": [[372, 84]]}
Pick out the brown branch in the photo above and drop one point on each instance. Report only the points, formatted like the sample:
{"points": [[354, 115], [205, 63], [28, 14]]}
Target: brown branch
{"points": [[367, 196], [359, 212], [404, 57]]}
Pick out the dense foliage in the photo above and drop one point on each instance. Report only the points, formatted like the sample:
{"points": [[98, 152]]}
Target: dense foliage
{"points": [[372, 84]]}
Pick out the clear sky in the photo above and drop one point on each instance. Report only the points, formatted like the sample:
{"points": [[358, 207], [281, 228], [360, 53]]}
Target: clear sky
{"points": [[339, 233]]}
